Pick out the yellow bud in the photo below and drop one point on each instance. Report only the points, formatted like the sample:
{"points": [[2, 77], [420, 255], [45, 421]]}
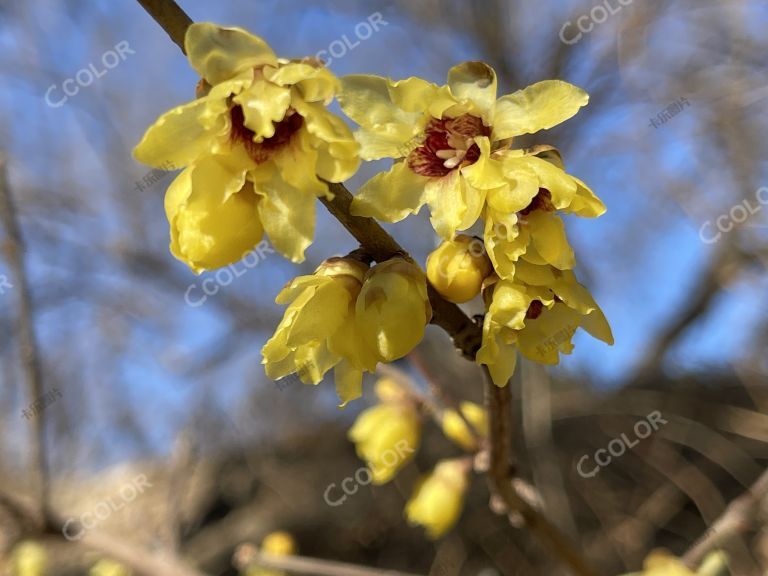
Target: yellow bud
{"points": [[438, 498], [393, 308], [455, 428], [343, 267], [109, 568], [458, 267], [387, 436], [29, 559], [390, 390], [279, 544]]}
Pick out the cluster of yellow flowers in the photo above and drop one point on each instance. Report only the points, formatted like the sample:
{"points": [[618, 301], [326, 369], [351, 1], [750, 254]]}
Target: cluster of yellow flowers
{"points": [[349, 317], [258, 146], [393, 427]]}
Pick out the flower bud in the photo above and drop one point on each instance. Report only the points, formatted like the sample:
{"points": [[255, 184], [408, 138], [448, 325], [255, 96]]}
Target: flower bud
{"points": [[458, 267], [387, 437], [393, 308], [438, 498], [455, 428], [319, 330]]}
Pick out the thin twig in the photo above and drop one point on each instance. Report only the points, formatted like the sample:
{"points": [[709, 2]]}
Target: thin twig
{"points": [[738, 517], [498, 404], [247, 555], [25, 328], [466, 334], [171, 18]]}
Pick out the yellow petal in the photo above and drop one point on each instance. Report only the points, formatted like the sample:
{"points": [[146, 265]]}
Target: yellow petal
{"points": [[322, 123], [501, 364], [510, 304], [505, 242], [392, 195], [534, 275], [315, 84], [551, 333], [476, 82], [561, 186], [263, 105], [537, 107], [445, 196], [324, 313], [338, 162], [300, 152], [386, 141], [349, 382], [549, 239], [573, 294], [218, 53], [178, 137], [393, 309], [367, 100], [487, 172], [288, 215], [585, 203], [519, 190], [214, 217], [597, 326]]}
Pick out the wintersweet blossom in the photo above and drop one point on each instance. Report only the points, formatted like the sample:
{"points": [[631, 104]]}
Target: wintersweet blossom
{"points": [[256, 147]]}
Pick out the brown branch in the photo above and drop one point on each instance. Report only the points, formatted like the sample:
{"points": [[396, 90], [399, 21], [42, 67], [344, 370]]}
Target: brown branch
{"points": [[171, 18], [739, 516], [498, 404], [247, 556], [466, 334], [25, 329]]}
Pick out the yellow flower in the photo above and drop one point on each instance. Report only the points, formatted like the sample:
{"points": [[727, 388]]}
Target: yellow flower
{"points": [[276, 544], [319, 330], [520, 218], [29, 559], [455, 428], [387, 435], [438, 498], [458, 267], [537, 313], [448, 138], [348, 317], [393, 308], [256, 147]]}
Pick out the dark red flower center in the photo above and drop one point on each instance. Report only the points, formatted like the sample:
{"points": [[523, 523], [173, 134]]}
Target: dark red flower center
{"points": [[534, 310], [448, 144], [260, 151], [542, 201]]}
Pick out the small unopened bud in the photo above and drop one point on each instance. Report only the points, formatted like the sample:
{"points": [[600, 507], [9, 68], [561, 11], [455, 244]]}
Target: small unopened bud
{"points": [[458, 267]]}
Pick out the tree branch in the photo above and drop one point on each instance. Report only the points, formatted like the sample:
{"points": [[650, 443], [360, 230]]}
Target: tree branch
{"points": [[171, 18], [30, 359], [739, 516], [247, 555], [498, 404]]}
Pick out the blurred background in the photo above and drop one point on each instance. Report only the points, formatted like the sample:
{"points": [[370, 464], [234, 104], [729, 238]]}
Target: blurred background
{"points": [[143, 373]]}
